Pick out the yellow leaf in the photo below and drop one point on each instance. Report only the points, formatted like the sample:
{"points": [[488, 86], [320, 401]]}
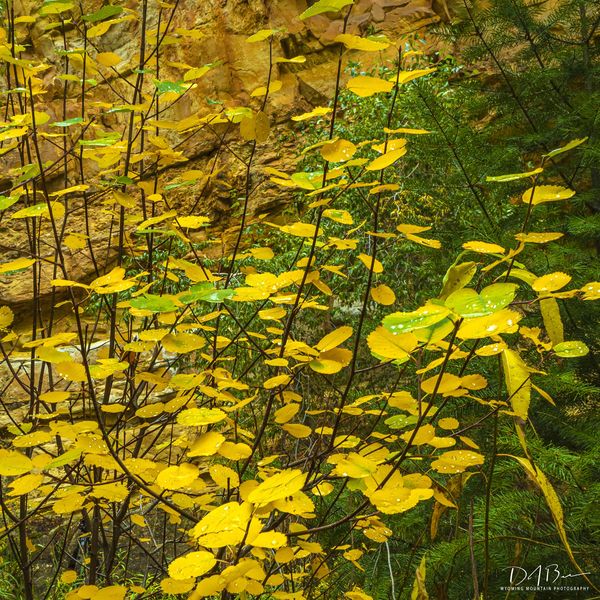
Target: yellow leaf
{"points": [[385, 344], [554, 505], [259, 36], [339, 216], [447, 383], [13, 463], [125, 200], [295, 59], [551, 282], [176, 586], [546, 193], [365, 86], [276, 381], [13, 133], [388, 146], [52, 355], [518, 382], [6, 317], [392, 500], [113, 492], [448, 423], [481, 327], [334, 339], [319, 111], [385, 160], [484, 247], [29, 440], [269, 539], [423, 435], [182, 343], [274, 86], [149, 411], [419, 591], [233, 451], [552, 321], [207, 444], [355, 42], [223, 526], [108, 59], [286, 413], [429, 243], [25, 484], [338, 151], [283, 484], [178, 476], [192, 564], [68, 577], [325, 366], [98, 30], [299, 229], [456, 461], [16, 265], [371, 263], [353, 465], [68, 504], [591, 290], [357, 594], [545, 395], [262, 254], [297, 430], [115, 275], [54, 396], [71, 371], [406, 131], [196, 417], [384, 295], [538, 238], [154, 220], [112, 592], [224, 477], [75, 241], [41, 210], [138, 520], [75, 188], [406, 76]]}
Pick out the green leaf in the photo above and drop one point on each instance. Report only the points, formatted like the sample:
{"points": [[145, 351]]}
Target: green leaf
{"points": [[153, 303], [573, 349], [308, 181], [402, 322], [123, 180], [7, 201], [101, 142], [325, 6], [164, 87], [401, 421], [67, 123], [205, 292], [174, 186], [468, 303], [63, 459], [104, 13]]}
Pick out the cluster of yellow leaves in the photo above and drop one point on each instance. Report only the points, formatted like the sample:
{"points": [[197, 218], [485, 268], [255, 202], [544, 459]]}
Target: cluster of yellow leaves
{"points": [[251, 511]]}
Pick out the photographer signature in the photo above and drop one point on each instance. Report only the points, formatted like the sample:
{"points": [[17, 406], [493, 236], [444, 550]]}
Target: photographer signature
{"points": [[541, 574]]}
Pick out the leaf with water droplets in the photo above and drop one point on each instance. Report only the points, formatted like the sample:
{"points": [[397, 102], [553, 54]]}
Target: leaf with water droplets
{"points": [[573, 349]]}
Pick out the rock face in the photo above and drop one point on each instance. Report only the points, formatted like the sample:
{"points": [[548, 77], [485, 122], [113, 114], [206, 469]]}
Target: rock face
{"points": [[221, 28]]}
